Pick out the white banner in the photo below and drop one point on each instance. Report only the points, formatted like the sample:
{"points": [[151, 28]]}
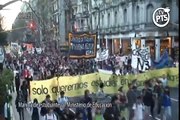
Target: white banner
{"points": [[141, 59], [8, 49], [38, 50], [14, 46], [108, 71], [102, 55]]}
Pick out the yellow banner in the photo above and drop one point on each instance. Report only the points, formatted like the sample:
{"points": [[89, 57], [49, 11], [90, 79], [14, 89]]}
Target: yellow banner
{"points": [[75, 85]]}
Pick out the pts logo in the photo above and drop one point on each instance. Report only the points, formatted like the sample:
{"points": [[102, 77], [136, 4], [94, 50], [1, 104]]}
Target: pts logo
{"points": [[161, 17]]}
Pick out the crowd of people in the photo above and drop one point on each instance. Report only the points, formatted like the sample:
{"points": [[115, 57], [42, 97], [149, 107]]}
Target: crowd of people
{"points": [[133, 104], [46, 66]]}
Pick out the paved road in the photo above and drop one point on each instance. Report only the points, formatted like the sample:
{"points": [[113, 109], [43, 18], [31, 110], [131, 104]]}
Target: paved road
{"points": [[175, 103], [174, 98]]}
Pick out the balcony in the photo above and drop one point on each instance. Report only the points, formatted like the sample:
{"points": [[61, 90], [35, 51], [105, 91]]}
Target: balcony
{"points": [[83, 29], [122, 2]]}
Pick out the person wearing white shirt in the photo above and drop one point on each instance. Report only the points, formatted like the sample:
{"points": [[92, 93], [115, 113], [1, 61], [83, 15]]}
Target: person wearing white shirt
{"points": [[8, 111], [164, 80], [101, 98], [50, 115], [138, 108], [62, 100]]}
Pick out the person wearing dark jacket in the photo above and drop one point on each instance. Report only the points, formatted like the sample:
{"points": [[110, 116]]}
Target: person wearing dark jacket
{"points": [[35, 112], [131, 98], [148, 100], [158, 89], [20, 100], [24, 90], [112, 113], [30, 78], [17, 82], [88, 99], [44, 109]]}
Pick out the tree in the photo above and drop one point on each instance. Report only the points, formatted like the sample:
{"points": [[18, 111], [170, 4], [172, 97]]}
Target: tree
{"points": [[3, 34], [6, 78]]}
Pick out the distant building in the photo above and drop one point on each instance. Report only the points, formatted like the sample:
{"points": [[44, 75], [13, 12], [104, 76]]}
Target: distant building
{"points": [[123, 24]]}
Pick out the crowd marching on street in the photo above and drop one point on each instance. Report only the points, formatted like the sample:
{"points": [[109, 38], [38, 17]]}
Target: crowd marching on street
{"points": [[153, 100]]}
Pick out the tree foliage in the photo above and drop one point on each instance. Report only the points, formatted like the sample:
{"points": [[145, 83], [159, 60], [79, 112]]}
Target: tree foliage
{"points": [[6, 78], [3, 34]]}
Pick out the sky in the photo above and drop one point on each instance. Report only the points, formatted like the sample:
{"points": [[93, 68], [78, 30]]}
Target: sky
{"points": [[9, 13]]}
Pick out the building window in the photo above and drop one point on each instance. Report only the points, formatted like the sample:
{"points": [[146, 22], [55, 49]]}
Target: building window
{"points": [[125, 16], [82, 23], [149, 12], [102, 21], [57, 19], [115, 19], [55, 7], [108, 20], [137, 15]]}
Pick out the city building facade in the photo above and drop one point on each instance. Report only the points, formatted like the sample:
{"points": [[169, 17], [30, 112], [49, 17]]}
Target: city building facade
{"points": [[123, 24]]}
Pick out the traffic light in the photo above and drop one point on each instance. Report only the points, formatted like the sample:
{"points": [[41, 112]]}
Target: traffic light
{"points": [[32, 25]]}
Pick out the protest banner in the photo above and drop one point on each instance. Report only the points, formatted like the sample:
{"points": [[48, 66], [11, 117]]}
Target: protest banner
{"points": [[141, 59], [75, 85], [72, 85], [102, 55], [82, 45]]}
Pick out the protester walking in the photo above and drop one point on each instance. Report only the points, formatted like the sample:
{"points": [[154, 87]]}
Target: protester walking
{"points": [[131, 96], [19, 101], [88, 100], [35, 111], [43, 110], [17, 82], [112, 113], [148, 100], [62, 101], [50, 115], [138, 108], [24, 90], [166, 103], [123, 102], [101, 98], [8, 112], [158, 89]]}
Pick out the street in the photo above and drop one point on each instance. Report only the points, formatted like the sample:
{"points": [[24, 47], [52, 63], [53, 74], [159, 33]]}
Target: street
{"points": [[68, 48], [174, 98]]}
